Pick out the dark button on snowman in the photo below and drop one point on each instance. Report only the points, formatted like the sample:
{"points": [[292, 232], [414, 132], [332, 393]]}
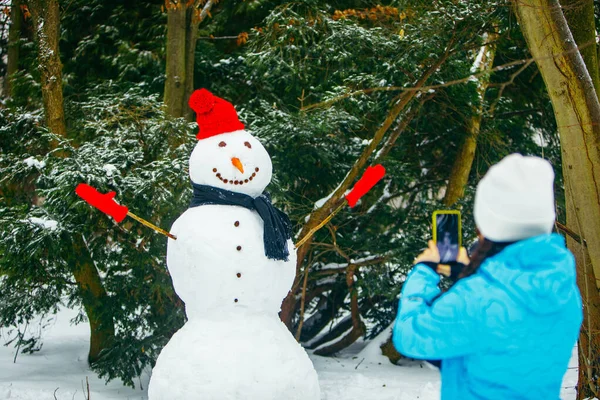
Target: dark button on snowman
{"points": [[232, 264]]}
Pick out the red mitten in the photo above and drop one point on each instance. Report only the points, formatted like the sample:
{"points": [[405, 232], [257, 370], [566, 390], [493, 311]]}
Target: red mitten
{"points": [[103, 202], [371, 176]]}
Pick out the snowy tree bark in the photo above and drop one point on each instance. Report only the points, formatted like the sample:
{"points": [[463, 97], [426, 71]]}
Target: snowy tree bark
{"points": [[194, 18], [577, 111], [580, 18], [175, 68], [94, 298], [588, 385], [459, 176], [46, 20], [14, 34], [46, 30], [183, 19]]}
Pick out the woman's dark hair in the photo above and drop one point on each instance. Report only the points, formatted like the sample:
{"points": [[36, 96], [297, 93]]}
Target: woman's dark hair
{"points": [[484, 249]]}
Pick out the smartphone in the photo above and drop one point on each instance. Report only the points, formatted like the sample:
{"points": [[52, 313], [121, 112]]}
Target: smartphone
{"points": [[447, 234]]}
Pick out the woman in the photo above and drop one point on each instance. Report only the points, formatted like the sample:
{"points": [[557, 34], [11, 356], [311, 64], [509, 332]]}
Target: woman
{"points": [[506, 329]]}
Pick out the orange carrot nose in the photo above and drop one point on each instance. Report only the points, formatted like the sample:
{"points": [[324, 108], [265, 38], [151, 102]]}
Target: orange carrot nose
{"points": [[238, 164]]}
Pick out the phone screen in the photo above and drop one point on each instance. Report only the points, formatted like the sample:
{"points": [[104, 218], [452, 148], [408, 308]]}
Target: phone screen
{"points": [[447, 236]]}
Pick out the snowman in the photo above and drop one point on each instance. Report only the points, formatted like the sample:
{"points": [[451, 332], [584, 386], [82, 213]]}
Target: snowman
{"points": [[232, 264]]}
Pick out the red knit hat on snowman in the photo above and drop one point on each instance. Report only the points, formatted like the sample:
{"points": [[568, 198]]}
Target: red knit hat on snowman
{"points": [[214, 115]]}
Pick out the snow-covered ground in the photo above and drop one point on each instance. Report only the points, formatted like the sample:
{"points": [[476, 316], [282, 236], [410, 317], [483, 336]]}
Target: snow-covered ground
{"points": [[59, 371]]}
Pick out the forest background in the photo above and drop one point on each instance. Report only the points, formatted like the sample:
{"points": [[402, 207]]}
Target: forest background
{"points": [[437, 91]]}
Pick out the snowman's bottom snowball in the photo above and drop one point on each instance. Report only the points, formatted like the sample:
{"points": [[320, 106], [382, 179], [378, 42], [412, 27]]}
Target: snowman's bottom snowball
{"points": [[232, 358]]}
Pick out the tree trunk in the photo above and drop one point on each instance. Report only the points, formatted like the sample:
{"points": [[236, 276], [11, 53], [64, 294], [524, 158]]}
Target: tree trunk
{"points": [[580, 18], [94, 298], [183, 19], [389, 350], [576, 109], [46, 30], [459, 176], [176, 63], [577, 113], [588, 385], [14, 35], [588, 346], [191, 37], [45, 14]]}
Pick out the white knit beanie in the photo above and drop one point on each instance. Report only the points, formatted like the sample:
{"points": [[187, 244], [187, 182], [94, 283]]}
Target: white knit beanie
{"points": [[515, 199]]}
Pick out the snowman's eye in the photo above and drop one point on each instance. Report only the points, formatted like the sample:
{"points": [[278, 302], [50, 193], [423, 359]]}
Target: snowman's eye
{"points": [[247, 144], [222, 144]]}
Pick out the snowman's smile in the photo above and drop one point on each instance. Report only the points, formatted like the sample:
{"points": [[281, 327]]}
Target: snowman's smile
{"points": [[235, 181]]}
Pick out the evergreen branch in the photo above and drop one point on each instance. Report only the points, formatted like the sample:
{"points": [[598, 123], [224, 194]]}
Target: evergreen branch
{"points": [[383, 152], [401, 102], [416, 88], [524, 62]]}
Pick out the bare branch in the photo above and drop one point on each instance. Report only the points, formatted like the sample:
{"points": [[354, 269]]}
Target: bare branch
{"points": [[383, 152], [205, 10], [509, 82]]}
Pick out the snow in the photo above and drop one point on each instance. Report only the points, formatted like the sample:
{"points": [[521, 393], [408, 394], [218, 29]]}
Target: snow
{"points": [[333, 266], [109, 169], [538, 137], [60, 366], [319, 203], [32, 162], [351, 379], [44, 223], [372, 351], [478, 64], [357, 375]]}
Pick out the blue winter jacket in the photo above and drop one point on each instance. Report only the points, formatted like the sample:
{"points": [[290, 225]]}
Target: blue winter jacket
{"points": [[506, 332]]}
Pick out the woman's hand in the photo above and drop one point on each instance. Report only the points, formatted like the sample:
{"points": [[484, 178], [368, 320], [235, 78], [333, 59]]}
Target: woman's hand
{"points": [[463, 256], [430, 255]]}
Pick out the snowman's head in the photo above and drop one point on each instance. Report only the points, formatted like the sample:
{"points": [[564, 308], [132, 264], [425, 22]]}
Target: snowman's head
{"points": [[226, 156], [234, 161]]}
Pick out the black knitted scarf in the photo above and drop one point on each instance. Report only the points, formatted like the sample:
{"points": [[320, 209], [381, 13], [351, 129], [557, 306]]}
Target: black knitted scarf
{"points": [[277, 225]]}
